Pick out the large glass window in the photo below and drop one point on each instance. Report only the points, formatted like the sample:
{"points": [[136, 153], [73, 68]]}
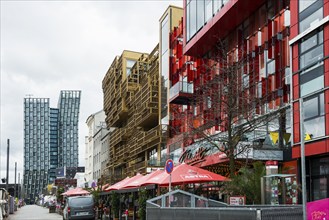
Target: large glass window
{"points": [[208, 7], [314, 121], [303, 4], [310, 11], [198, 12], [311, 54], [200, 15], [193, 17], [311, 49]]}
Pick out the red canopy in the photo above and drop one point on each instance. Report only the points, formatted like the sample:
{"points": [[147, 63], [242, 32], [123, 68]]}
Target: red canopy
{"points": [[141, 181], [183, 174], [132, 181], [121, 183], [117, 185], [75, 192], [157, 178]]}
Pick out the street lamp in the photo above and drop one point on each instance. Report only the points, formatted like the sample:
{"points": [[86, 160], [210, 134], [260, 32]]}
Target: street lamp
{"points": [[302, 157]]}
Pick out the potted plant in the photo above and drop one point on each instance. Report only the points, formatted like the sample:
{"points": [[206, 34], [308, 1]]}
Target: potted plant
{"points": [[115, 204]]}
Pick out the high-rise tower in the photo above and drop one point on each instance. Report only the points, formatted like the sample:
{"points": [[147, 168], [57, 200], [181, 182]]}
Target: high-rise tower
{"points": [[50, 139]]}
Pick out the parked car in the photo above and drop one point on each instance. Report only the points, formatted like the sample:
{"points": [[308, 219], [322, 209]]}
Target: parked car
{"points": [[79, 207]]}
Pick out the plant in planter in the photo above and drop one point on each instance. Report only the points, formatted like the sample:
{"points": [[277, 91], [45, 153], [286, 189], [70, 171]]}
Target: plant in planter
{"points": [[115, 204], [142, 197]]}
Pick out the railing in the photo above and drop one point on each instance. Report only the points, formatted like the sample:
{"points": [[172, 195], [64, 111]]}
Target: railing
{"points": [[180, 87]]}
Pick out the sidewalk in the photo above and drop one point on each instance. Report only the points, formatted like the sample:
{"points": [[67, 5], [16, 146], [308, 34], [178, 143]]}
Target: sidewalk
{"points": [[34, 212]]}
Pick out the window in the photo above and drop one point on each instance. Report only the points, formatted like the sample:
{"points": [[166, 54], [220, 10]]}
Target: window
{"points": [[311, 54], [129, 65], [310, 11], [313, 108], [208, 7], [305, 4], [200, 15], [271, 67]]}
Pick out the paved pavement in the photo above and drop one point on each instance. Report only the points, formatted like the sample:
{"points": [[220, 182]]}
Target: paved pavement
{"points": [[34, 212]]}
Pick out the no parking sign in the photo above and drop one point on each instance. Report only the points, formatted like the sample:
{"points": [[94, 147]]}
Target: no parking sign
{"points": [[169, 167]]}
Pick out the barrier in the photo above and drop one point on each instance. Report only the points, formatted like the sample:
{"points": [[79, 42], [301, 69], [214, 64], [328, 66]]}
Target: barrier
{"points": [[181, 205]]}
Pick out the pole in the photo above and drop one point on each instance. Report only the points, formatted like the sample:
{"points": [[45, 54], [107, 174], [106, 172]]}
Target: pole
{"points": [[19, 186], [15, 180], [7, 175], [169, 189], [302, 157], [170, 182]]}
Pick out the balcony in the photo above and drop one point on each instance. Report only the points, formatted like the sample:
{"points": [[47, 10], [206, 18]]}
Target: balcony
{"points": [[181, 93]]}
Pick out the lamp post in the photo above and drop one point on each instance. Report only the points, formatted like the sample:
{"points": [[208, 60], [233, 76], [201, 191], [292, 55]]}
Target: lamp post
{"points": [[302, 157]]}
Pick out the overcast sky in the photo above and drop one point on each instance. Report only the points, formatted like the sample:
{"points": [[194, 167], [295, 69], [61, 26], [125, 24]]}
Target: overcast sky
{"points": [[48, 46]]}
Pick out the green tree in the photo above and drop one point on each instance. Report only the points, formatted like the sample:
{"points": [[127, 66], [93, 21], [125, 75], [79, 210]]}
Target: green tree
{"points": [[115, 204], [247, 183], [59, 195]]}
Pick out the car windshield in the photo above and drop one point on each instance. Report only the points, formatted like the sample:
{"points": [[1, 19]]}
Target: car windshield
{"points": [[81, 201]]}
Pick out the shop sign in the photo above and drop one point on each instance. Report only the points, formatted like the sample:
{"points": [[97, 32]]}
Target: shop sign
{"points": [[194, 156]]}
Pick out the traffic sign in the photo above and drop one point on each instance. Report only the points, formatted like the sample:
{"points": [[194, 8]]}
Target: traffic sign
{"points": [[169, 166]]}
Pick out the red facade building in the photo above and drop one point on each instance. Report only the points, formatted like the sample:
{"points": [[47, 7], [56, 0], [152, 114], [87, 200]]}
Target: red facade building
{"points": [[284, 46]]}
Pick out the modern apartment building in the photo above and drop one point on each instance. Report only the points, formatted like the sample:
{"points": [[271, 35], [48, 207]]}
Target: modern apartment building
{"points": [[95, 152], [69, 109], [131, 105], [216, 40], [50, 139], [285, 44], [309, 41]]}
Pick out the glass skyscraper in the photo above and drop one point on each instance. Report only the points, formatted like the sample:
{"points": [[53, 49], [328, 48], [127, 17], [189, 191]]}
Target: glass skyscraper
{"points": [[50, 139]]}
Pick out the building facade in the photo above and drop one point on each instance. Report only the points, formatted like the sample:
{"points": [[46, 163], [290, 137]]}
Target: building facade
{"points": [[46, 135], [94, 146], [309, 41], [225, 49], [69, 109], [131, 105], [285, 46], [36, 146]]}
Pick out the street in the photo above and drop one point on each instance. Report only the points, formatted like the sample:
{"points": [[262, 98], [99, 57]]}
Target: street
{"points": [[34, 212]]}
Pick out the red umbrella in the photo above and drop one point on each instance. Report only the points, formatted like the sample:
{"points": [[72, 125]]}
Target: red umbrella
{"points": [[120, 184], [132, 181], [156, 178], [75, 192], [117, 185], [141, 181], [184, 174]]}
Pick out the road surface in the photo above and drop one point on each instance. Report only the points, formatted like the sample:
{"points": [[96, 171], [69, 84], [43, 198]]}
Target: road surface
{"points": [[34, 212]]}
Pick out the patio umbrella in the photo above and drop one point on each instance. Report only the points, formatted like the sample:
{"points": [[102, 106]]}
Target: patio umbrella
{"points": [[116, 185], [141, 181], [75, 192], [132, 181], [184, 174], [156, 178], [121, 183]]}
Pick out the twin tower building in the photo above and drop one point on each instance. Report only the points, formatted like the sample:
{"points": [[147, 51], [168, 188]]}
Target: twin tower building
{"points": [[50, 139]]}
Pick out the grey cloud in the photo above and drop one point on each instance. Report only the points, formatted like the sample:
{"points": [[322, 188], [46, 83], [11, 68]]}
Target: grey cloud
{"points": [[48, 46]]}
